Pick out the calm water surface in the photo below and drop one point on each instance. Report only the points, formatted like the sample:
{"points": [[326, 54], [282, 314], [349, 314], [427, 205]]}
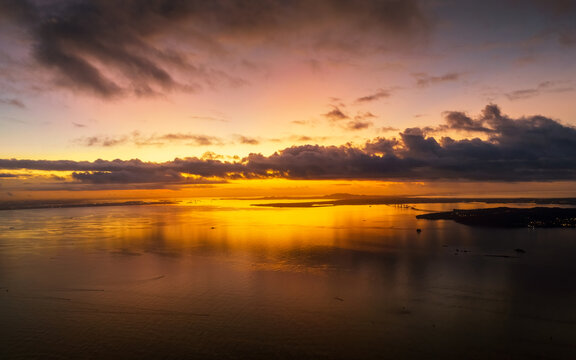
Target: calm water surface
{"points": [[224, 280]]}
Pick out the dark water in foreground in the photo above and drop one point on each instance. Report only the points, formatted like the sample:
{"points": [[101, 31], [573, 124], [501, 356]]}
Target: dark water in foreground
{"points": [[223, 280]]}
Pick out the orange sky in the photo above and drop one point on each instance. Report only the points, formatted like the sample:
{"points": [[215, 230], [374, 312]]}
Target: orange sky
{"points": [[96, 81]]}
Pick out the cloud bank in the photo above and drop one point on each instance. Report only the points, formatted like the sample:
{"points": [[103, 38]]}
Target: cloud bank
{"points": [[534, 148]]}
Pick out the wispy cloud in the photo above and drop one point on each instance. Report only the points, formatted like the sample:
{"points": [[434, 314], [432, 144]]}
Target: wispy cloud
{"points": [[522, 94], [311, 123], [424, 79], [104, 141], [138, 139], [247, 140], [200, 140], [380, 94], [307, 139], [208, 118], [13, 102], [543, 87]]}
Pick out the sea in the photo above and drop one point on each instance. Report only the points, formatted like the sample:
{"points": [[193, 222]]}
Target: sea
{"points": [[223, 279]]}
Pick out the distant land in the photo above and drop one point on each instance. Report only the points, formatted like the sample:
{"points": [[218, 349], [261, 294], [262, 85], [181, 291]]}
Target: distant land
{"points": [[42, 204], [536, 217], [349, 199], [302, 202]]}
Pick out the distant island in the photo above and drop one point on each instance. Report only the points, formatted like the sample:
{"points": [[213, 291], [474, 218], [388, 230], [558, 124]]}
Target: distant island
{"points": [[536, 217], [350, 199], [42, 204]]}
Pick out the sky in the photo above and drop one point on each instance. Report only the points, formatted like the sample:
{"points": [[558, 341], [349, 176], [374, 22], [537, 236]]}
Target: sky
{"points": [[158, 98]]}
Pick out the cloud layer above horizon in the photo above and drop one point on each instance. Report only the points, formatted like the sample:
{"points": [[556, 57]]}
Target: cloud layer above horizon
{"points": [[498, 148]]}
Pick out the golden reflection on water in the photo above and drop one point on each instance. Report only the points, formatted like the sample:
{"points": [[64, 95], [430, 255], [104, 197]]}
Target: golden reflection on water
{"points": [[222, 278]]}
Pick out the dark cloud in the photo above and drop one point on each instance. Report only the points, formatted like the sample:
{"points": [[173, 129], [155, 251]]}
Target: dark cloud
{"points": [[360, 121], [380, 94], [336, 114], [5, 175], [381, 146], [247, 140], [13, 102], [526, 149], [141, 47], [364, 115], [423, 79], [314, 162], [534, 148], [359, 124], [456, 120]]}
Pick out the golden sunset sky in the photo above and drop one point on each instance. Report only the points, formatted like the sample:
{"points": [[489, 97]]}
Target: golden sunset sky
{"points": [[270, 97]]}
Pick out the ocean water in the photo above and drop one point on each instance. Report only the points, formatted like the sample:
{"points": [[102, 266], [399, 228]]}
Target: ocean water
{"points": [[220, 279]]}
